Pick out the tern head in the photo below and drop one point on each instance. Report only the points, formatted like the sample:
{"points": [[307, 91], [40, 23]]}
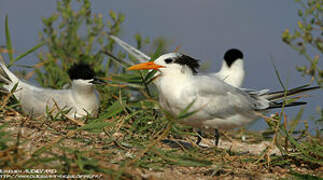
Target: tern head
{"points": [[232, 56], [232, 70], [83, 74], [171, 62]]}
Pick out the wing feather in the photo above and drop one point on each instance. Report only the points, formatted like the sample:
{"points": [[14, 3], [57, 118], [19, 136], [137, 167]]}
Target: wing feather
{"points": [[220, 100]]}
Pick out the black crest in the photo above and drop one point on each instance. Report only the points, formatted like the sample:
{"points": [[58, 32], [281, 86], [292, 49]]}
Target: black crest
{"points": [[81, 71], [232, 55], [192, 63]]}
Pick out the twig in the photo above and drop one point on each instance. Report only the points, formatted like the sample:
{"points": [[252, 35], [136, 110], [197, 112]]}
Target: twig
{"points": [[71, 119]]}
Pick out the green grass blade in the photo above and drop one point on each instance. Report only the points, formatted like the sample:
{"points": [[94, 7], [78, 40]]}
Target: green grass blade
{"points": [[28, 52], [156, 53], [150, 76], [8, 41], [299, 176], [278, 76], [114, 109], [304, 149], [95, 125], [186, 113], [293, 124]]}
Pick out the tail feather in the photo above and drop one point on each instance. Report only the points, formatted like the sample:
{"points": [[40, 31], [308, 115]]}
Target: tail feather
{"points": [[274, 96], [4, 90], [140, 56], [274, 105], [4, 78], [7, 78], [271, 100]]}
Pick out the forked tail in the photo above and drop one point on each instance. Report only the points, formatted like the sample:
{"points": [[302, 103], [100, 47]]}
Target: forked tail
{"points": [[7, 78], [277, 98]]}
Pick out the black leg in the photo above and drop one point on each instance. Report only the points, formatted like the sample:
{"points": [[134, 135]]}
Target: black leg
{"points": [[155, 113], [199, 139], [216, 136]]}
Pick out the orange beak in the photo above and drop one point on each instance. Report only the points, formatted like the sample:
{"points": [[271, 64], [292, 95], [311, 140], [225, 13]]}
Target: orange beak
{"points": [[147, 65]]}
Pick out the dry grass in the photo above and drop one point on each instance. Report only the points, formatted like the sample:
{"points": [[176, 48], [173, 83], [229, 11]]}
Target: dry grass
{"points": [[130, 139], [43, 143]]}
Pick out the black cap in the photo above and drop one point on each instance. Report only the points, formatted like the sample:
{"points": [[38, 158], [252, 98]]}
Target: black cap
{"points": [[81, 71], [192, 63], [232, 55]]}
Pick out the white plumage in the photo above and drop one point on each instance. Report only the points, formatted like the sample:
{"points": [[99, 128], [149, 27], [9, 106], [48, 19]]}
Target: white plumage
{"points": [[232, 69], [81, 98], [218, 104], [231, 72]]}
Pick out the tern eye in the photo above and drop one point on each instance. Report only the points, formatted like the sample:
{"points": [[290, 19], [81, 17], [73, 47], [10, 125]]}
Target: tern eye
{"points": [[168, 60]]}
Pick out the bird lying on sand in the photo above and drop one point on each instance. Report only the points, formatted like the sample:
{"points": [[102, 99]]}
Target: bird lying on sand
{"points": [[81, 99]]}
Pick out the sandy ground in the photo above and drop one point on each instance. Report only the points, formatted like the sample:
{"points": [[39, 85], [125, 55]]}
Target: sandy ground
{"points": [[37, 134]]}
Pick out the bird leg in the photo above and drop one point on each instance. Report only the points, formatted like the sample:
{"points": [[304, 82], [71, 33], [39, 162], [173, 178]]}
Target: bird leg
{"points": [[216, 137], [199, 139]]}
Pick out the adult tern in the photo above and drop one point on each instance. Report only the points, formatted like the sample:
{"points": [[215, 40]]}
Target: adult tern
{"points": [[82, 98], [231, 72], [217, 105]]}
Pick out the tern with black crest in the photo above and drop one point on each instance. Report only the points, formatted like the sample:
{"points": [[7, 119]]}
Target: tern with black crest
{"points": [[232, 69], [231, 72], [81, 99], [217, 105]]}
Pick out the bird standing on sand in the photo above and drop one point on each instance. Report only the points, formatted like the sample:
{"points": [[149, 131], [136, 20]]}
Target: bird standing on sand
{"points": [[217, 105], [231, 72]]}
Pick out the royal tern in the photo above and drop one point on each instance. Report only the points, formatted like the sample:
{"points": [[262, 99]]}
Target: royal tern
{"points": [[217, 105], [81, 99], [232, 70]]}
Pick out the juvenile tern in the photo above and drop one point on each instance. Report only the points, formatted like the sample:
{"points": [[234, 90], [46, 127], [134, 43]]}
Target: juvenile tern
{"points": [[82, 98], [217, 105]]}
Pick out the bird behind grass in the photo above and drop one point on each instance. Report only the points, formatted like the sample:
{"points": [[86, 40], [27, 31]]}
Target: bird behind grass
{"points": [[217, 105], [79, 100]]}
